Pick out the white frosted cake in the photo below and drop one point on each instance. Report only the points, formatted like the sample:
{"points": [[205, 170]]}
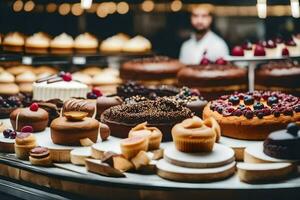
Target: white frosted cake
{"points": [[58, 87]]}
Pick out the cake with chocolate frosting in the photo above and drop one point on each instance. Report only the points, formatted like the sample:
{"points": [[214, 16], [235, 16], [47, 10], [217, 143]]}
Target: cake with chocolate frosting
{"points": [[151, 70], [253, 115], [162, 113], [59, 86], [213, 80], [279, 75], [284, 144]]}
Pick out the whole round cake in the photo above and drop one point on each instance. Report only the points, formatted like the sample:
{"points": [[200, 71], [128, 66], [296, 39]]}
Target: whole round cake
{"points": [[280, 76], [214, 80], [253, 115], [151, 70], [60, 86], [162, 113]]}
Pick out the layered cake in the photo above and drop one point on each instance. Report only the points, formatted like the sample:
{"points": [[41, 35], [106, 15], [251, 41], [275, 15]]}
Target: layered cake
{"points": [[162, 113], [280, 76], [151, 70], [284, 144], [59, 86], [253, 115], [213, 80]]}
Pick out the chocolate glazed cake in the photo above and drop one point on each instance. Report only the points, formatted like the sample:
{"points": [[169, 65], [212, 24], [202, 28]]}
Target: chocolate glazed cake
{"points": [[151, 69], [280, 75], [214, 80], [162, 113]]}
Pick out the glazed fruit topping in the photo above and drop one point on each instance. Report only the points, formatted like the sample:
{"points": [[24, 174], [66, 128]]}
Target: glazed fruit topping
{"points": [[292, 128], [237, 51], [27, 129], [204, 61], [285, 52], [221, 61], [264, 103], [259, 50], [94, 94], [34, 107], [9, 133], [67, 77]]}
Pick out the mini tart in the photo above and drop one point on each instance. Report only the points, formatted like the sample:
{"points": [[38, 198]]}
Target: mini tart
{"points": [[13, 42], [195, 135], [86, 43], [24, 142], [37, 43], [62, 44], [130, 147], [69, 132], [153, 134], [249, 123], [40, 156], [25, 117]]}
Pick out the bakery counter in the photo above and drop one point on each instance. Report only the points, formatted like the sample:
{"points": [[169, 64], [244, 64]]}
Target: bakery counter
{"points": [[137, 186]]}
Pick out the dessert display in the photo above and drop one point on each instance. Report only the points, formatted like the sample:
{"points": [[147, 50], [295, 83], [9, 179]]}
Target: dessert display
{"points": [[152, 70], [196, 135], [82, 105], [153, 135], [62, 44], [32, 116], [284, 144], [13, 42], [162, 113], [73, 126], [114, 43], [40, 156], [86, 43], [253, 115], [137, 44], [37, 43], [279, 76], [213, 80], [24, 143], [59, 86]]}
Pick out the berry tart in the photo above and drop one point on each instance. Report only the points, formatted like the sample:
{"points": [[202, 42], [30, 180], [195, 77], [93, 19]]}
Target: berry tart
{"points": [[253, 115], [152, 70], [60, 86], [162, 113], [279, 76], [32, 116], [214, 79]]}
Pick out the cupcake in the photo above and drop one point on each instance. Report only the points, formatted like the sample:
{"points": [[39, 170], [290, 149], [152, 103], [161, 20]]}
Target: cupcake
{"points": [[25, 81], [196, 135], [25, 141], [13, 42], [40, 156], [37, 43], [7, 85], [86, 43], [138, 44], [130, 147], [153, 134], [114, 44], [62, 44]]}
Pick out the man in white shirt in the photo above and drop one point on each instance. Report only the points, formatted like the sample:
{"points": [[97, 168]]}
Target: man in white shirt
{"points": [[203, 41]]}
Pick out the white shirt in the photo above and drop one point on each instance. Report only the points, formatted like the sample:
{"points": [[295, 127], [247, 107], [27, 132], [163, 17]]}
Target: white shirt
{"points": [[191, 51]]}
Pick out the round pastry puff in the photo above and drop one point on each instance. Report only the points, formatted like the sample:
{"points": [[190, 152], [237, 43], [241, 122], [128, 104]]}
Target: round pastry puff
{"points": [[184, 174], [254, 154], [249, 129]]}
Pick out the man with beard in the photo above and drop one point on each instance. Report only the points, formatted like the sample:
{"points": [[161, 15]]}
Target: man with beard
{"points": [[203, 41]]}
